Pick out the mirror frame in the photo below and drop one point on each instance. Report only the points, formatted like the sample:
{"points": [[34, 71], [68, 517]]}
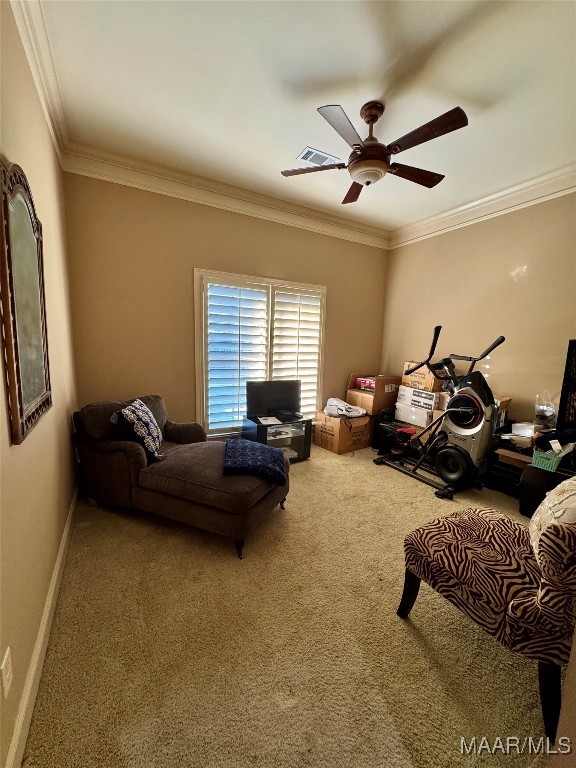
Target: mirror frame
{"points": [[13, 299]]}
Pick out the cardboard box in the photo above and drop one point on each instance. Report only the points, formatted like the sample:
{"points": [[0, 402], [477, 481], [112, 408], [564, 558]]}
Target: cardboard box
{"points": [[503, 404], [427, 435], [421, 379], [418, 397], [443, 398], [524, 429], [343, 435], [384, 395], [411, 414]]}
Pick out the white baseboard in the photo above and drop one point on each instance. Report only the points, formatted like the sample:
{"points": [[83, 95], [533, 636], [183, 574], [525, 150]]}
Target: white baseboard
{"points": [[24, 716]]}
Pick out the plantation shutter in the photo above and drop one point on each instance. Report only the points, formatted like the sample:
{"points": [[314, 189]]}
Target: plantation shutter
{"points": [[296, 338], [253, 329], [236, 344]]}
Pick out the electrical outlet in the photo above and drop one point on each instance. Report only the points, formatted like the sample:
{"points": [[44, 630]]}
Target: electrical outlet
{"points": [[6, 670]]}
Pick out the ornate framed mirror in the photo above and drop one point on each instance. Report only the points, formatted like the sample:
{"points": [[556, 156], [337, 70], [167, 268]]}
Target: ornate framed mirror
{"points": [[24, 337]]}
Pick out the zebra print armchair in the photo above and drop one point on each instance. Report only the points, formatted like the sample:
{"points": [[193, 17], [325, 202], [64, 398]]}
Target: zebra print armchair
{"points": [[520, 591]]}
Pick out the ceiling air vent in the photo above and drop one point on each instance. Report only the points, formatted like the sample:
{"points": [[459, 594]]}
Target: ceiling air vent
{"points": [[315, 157]]}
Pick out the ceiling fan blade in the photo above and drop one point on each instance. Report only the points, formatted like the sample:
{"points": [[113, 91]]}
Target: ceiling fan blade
{"points": [[298, 171], [353, 193], [339, 120], [450, 121], [426, 178]]}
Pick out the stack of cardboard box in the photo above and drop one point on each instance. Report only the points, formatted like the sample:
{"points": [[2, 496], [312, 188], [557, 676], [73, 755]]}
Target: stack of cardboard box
{"points": [[416, 399], [374, 393], [420, 398]]}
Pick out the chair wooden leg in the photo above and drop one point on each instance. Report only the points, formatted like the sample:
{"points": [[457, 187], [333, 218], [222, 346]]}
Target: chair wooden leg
{"points": [[409, 595], [239, 546], [549, 682]]}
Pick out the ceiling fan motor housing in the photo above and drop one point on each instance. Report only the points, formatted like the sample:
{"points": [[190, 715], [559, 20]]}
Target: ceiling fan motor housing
{"points": [[370, 163]]}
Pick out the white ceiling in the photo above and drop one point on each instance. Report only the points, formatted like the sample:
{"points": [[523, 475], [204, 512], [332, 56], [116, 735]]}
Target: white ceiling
{"points": [[229, 91]]}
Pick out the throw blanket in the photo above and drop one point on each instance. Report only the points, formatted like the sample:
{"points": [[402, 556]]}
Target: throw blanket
{"points": [[245, 457]]}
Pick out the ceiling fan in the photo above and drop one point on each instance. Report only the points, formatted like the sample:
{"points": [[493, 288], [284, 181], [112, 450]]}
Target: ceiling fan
{"points": [[370, 160]]}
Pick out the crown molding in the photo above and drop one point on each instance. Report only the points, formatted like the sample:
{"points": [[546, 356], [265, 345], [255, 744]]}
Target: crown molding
{"points": [[559, 182], [85, 161], [195, 189], [119, 170], [31, 25]]}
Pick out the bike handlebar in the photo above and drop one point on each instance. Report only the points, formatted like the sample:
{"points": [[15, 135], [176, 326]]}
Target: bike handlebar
{"points": [[473, 360], [435, 338], [408, 371], [499, 340]]}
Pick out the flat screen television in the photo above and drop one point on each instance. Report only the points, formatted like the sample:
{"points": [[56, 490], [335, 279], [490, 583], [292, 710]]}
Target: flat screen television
{"points": [[268, 398]]}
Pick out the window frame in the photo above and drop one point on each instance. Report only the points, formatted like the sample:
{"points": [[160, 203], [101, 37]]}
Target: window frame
{"points": [[201, 278]]}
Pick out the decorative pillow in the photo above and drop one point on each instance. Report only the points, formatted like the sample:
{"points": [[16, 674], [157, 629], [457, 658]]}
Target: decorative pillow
{"points": [[146, 429], [559, 506]]}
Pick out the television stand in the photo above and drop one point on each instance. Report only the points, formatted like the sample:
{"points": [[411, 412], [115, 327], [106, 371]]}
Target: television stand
{"points": [[293, 437]]}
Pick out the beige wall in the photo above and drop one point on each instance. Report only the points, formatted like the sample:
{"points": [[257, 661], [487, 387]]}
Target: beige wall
{"points": [[37, 476], [132, 260], [513, 275]]}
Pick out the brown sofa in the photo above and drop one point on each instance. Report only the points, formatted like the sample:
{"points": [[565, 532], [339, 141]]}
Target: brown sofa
{"points": [[188, 485]]}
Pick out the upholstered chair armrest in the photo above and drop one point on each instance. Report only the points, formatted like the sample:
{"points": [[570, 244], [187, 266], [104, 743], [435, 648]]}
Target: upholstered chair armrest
{"points": [[105, 446], [184, 432], [545, 612], [551, 608], [557, 555], [130, 448], [110, 469]]}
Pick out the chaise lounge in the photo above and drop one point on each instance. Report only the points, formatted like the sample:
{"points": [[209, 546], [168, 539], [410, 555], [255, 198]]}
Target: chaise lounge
{"points": [[188, 485]]}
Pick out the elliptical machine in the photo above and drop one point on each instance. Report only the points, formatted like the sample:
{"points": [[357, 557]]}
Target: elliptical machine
{"points": [[458, 440]]}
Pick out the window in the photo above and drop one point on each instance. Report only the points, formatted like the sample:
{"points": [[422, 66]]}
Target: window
{"points": [[253, 329]]}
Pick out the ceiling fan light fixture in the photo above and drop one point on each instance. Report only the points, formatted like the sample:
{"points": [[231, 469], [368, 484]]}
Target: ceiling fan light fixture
{"points": [[370, 159], [367, 172]]}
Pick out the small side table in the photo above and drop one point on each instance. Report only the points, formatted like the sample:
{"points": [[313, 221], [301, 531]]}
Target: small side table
{"points": [[293, 437], [535, 484]]}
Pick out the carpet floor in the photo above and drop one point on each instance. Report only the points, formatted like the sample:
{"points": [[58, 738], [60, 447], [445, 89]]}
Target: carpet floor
{"points": [[167, 651]]}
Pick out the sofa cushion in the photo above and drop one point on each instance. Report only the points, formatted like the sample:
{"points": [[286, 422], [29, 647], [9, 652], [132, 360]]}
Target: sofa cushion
{"points": [[195, 472], [168, 447], [96, 420], [559, 506], [140, 418], [95, 417]]}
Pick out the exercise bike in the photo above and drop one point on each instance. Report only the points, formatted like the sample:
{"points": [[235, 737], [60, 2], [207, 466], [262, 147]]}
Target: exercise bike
{"points": [[457, 441]]}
